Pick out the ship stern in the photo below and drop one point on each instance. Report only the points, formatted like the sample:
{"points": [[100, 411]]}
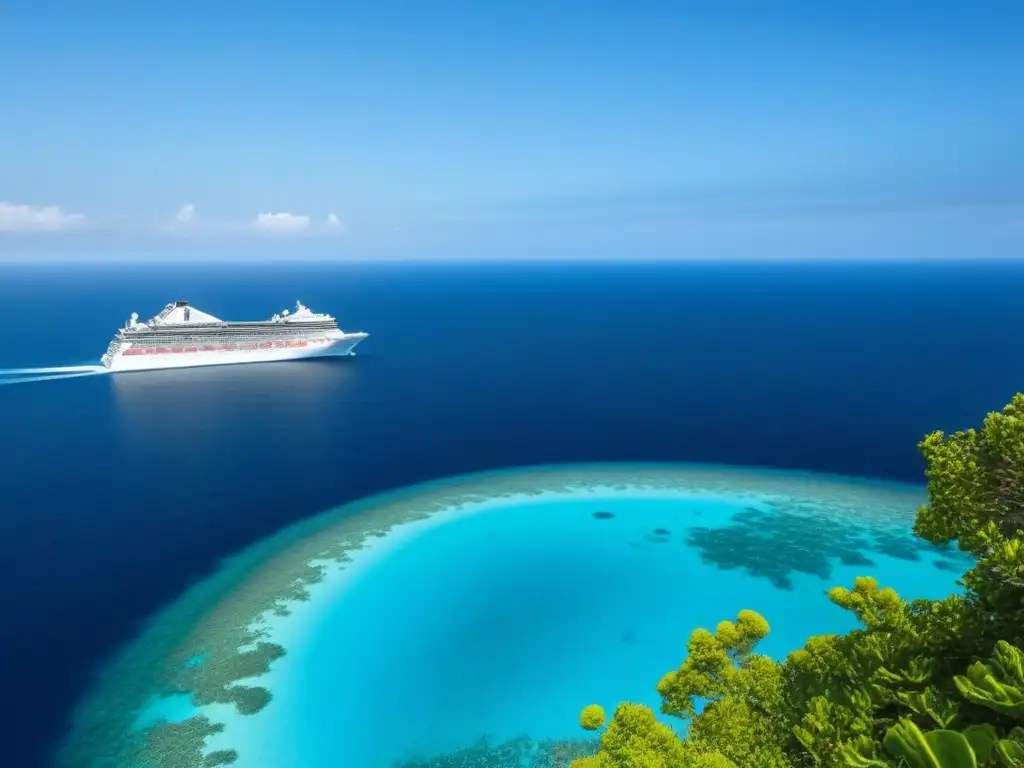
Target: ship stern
{"points": [[114, 350]]}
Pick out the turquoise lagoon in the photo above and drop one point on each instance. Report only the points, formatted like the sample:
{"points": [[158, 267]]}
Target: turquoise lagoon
{"points": [[408, 627]]}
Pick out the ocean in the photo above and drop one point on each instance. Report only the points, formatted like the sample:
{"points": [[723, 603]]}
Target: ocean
{"points": [[119, 493]]}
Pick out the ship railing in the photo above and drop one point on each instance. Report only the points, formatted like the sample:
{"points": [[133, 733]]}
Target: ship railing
{"points": [[164, 313]]}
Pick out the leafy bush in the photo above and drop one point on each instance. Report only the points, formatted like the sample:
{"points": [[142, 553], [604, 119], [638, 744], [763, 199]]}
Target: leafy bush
{"points": [[905, 689]]}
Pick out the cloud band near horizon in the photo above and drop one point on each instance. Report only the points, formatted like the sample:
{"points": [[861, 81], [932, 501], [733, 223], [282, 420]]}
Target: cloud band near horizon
{"points": [[22, 218]]}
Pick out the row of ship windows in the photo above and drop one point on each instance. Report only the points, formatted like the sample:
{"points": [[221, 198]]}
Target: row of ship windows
{"points": [[261, 329], [239, 334], [164, 340], [220, 347]]}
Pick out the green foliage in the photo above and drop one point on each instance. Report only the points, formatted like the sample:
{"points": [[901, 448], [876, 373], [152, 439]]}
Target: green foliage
{"points": [[720, 665], [976, 482], [906, 689], [907, 745], [636, 739], [998, 685], [982, 738], [738, 689], [1010, 751], [935, 749], [592, 718]]}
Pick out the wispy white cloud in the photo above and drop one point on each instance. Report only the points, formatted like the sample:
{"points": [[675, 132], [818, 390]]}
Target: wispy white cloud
{"points": [[186, 214], [29, 218], [281, 222], [186, 223]]}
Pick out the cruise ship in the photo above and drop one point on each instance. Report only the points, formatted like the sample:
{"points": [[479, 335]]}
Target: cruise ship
{"points": [[182, 336]]}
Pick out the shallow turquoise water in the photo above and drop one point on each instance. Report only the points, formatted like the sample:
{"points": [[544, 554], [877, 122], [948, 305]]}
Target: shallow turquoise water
{"points": [[506, 623], [501, 616]]}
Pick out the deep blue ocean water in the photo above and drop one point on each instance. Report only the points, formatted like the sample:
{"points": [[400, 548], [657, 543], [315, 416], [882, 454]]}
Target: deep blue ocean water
{"points": [[118, 493]]}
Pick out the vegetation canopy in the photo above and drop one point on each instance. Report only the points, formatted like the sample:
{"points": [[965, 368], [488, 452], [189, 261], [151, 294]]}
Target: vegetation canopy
{"points": [[922, 684]]}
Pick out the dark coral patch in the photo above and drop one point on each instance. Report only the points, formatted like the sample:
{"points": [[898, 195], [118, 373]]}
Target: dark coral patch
{"points": [[657, 536], [900, 547], [603, 515], [854, 558], [521, 751], [777, 544]]}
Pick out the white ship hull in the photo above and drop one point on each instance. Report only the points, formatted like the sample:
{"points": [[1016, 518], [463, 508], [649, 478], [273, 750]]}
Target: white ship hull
{"points": [[125, 361]]}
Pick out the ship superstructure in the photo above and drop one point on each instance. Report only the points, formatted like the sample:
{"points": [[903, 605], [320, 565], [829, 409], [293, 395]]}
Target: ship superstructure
{"points": [[182, 336]]}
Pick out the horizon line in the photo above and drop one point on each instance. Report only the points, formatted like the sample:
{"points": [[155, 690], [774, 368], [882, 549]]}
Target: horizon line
{"points": [[161, 260]]}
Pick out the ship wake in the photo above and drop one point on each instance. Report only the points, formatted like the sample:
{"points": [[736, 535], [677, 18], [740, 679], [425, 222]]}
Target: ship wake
{"points": [[27, 375]]}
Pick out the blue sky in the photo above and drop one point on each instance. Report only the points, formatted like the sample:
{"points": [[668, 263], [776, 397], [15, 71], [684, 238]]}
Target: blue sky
{"points": [[642, 129]]}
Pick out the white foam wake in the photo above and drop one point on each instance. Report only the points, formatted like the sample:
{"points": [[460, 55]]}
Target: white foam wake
{"points": [[54, 369], [52, 373]]}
